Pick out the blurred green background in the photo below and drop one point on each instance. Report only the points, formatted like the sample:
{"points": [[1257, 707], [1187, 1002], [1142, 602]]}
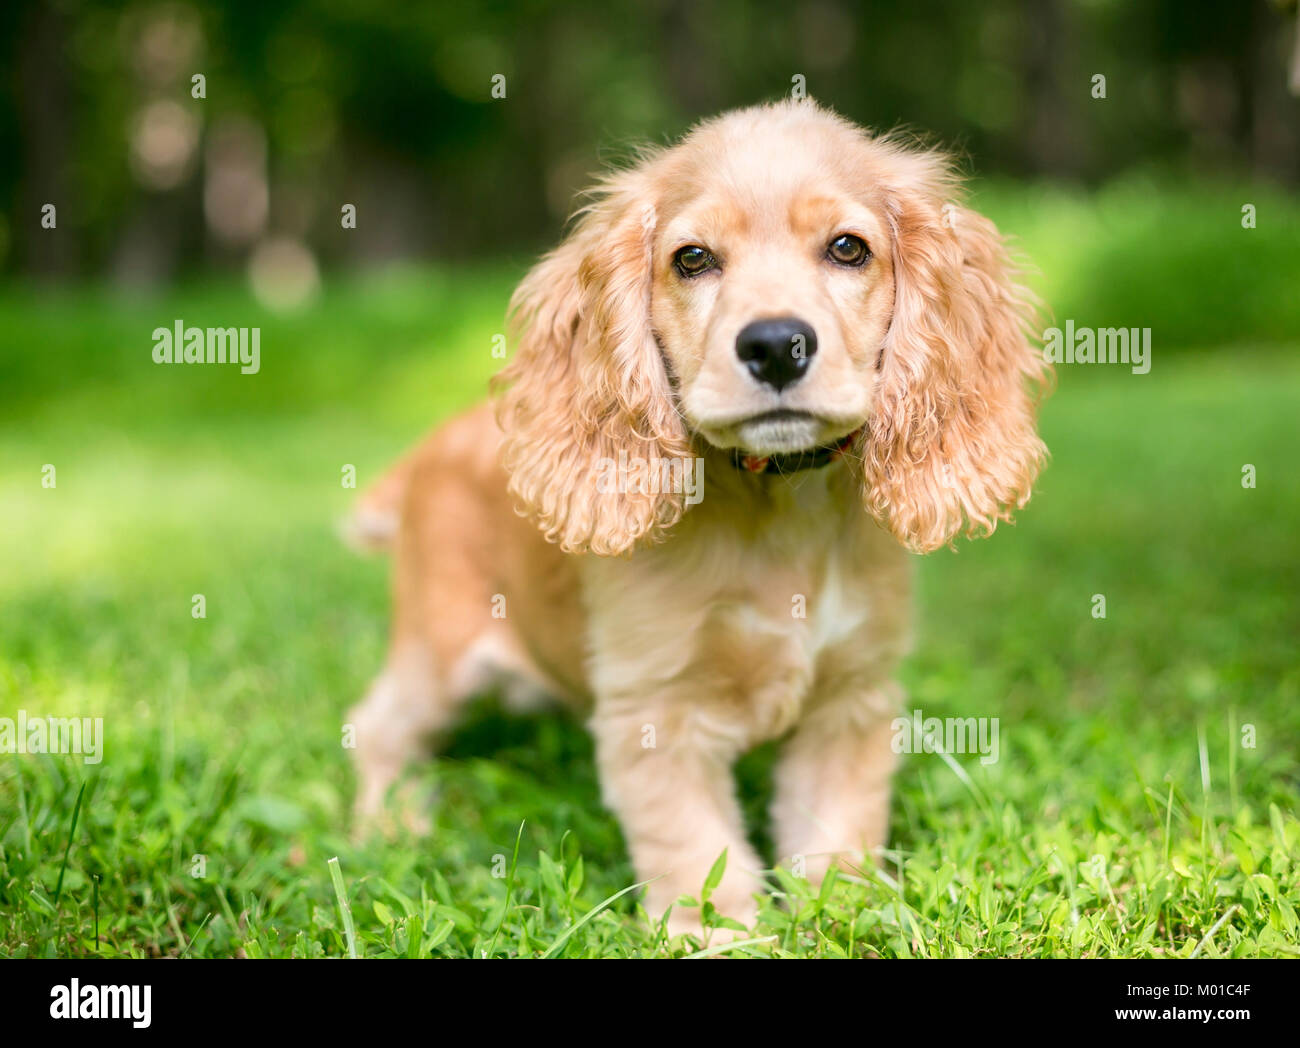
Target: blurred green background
{"points": [[391, 107], [1120, 736]]}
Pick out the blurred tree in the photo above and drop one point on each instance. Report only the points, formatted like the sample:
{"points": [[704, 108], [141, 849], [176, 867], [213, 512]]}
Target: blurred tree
{"points": [[390, 107]]}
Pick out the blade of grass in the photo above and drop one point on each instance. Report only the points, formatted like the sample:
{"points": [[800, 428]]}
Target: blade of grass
{"points": [[965, 779], [27, 819], [1232, 760], [72, 830], [510, 887], [196, 934], [555, 946], [727, 947], [1203, 756], [1217, 925], [341, 894]]}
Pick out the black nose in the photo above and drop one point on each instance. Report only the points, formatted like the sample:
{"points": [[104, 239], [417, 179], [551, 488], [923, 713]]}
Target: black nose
{"points": [[777, 352]]}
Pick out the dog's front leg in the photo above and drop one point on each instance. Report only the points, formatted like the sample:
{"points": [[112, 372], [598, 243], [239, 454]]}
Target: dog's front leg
{"points": [[667, 776], [831, 800]]}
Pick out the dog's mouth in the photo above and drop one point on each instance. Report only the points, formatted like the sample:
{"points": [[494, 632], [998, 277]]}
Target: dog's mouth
{"points": [[780, 432], [784, 440], [789, 432]]}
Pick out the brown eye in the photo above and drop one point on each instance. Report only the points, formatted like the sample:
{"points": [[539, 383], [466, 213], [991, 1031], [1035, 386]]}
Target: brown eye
{"points": [[693, 260], [848, 250]]}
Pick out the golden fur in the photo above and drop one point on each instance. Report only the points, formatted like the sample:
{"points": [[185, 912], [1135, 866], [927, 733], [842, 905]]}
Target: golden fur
{"points": [[779, 604]]}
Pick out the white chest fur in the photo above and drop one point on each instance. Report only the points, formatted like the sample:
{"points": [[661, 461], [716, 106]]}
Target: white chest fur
{"points": [[841, 608]]}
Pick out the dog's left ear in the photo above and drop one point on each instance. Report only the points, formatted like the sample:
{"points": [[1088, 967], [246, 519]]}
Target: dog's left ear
{"points": [[952, 445]]}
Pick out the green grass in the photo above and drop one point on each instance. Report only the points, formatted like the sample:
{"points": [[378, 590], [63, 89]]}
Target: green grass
{"points": [[1124, 818]]}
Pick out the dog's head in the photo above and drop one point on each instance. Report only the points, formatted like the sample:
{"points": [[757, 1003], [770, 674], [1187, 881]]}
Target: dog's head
{"points": [[777, 283]]}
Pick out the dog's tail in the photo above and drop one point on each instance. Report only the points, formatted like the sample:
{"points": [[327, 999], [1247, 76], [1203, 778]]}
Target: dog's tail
{"points": [[371, 527]]}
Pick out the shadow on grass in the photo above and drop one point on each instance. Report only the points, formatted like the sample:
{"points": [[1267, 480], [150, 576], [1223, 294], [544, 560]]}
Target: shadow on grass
{"points": [[553, 750]]}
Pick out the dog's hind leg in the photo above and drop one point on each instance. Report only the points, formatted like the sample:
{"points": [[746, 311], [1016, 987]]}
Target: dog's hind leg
{"points": [[411, 705], [406, 706], [450, 638]]}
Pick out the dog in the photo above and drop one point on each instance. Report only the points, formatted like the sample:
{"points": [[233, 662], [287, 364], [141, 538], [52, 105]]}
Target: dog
{"points": [[806, 318]]}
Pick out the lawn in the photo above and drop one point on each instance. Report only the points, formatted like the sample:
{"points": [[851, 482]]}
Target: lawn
{"points": [[1144, 802]]}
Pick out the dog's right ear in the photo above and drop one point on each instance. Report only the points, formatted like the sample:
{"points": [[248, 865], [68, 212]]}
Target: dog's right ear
{"points": [[588, 382]]}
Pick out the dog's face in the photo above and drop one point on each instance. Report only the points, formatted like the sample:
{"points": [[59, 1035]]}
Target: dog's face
{"points": [[777, 282], [772, 286]]}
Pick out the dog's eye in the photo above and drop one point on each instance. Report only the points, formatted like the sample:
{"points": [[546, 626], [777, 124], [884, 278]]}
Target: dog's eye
{"points": [[693, 260], [848, 250]]}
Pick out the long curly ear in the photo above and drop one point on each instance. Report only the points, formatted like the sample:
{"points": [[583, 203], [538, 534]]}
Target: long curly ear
{"points": [[952, 444], [588, 381]]}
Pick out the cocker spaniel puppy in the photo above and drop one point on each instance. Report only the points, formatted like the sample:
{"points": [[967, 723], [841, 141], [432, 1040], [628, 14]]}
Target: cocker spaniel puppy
{"points": [[764, 365]]}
